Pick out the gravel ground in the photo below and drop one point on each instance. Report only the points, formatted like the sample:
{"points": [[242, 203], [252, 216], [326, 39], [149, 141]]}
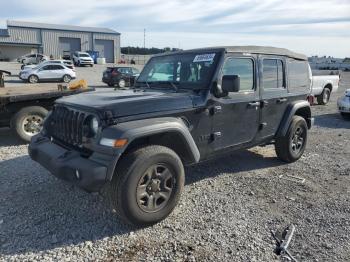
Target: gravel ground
{"points": [[226, 211]]}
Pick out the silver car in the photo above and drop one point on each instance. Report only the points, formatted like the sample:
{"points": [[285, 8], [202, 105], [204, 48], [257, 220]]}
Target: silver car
{"points": [[67, 63], [48, 72], [344, 104]]}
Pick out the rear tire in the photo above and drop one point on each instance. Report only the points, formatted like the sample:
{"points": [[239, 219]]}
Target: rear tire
{"points": [[323, 99], [28, 121], [33, 79], [290, 148], [147, 185], [121, 83]]}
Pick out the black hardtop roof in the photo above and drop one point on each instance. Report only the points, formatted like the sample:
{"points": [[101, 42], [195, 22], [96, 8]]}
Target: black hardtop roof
{"points": [[264, 50]]}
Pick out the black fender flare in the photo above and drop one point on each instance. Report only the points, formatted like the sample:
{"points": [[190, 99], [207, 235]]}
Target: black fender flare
{"points": [[290, 112], [133, 130]]}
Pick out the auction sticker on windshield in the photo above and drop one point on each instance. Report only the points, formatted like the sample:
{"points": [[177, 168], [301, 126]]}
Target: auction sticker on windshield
{"points": [[204, 58]]}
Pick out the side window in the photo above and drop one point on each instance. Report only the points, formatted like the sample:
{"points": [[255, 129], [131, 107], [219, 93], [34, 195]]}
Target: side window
{"points": [[244, 67], [46, 67], [56, 67], [298, 72], [273, 74], [121, 70]]}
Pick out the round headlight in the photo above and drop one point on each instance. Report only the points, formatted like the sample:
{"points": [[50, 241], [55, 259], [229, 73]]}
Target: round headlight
{"points": [[94, 126]]}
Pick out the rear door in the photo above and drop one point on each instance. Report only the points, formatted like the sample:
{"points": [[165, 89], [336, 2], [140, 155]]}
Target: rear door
{"points": [[236, 116], [273, 93]]}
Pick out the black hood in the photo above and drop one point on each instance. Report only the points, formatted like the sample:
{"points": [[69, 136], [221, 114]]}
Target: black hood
{"points": [[128, 102]]}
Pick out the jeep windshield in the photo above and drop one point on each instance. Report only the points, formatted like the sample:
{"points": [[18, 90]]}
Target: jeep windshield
{"points": [[180, 70]]}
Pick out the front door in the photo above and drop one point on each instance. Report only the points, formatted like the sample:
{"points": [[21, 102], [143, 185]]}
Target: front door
{"points": [[44, 72], [274, 95], [236, 116]]}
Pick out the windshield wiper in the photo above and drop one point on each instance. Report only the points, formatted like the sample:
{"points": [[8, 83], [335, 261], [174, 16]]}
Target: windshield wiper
{"points": [[143, 82], [171, 83]]}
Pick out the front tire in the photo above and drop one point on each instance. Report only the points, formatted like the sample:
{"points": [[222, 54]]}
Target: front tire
{"points": [[323, 99], [147, 185], [66, 78], [290, 148], [33, 79], [28, 122]]}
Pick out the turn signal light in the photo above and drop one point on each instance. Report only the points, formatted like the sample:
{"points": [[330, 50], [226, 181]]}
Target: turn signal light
{"points": [[117, 143], [120, 143]]}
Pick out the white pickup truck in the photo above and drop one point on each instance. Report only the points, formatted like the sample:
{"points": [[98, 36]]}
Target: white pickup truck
{"points": [[323, 86]]}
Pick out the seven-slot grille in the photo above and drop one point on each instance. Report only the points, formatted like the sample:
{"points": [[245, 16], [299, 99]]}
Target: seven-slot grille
{"points": [[67, 125]]}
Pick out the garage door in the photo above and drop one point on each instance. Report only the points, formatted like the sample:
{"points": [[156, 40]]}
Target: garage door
{"points": [[13, 52], [69, 44], [106, 49]]}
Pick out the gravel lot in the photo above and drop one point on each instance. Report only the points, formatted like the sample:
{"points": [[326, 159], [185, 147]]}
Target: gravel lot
{"points": [[226, 212]]}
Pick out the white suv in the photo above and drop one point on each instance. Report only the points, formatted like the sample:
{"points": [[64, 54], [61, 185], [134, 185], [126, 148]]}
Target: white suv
{"points": [[48, 72], [82, 58]]}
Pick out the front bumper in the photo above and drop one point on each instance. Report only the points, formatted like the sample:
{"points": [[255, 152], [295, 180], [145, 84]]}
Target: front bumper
{"points": [[88, 173], [23, 77], [82, 62]]}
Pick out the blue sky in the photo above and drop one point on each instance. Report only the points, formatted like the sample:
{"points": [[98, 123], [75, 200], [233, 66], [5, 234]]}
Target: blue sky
{"points": [[313, 27]]}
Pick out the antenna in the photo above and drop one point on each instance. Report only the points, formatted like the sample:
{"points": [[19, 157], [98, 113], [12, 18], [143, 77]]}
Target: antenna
{"points": [[144, 46]]}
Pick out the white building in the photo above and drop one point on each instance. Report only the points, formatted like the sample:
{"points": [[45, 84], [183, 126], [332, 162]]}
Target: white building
{"points": [[25, 37]]}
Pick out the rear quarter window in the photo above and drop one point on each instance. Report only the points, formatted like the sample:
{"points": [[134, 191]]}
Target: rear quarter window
{"points": [[299, 79]]}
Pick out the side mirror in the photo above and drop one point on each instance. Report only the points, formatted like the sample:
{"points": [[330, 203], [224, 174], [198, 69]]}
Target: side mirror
{"points": [[230, 83]]}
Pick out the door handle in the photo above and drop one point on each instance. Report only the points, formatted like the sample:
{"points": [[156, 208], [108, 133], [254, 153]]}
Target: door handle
{"points": [[264, 103], [281, 100], [253, 104]]}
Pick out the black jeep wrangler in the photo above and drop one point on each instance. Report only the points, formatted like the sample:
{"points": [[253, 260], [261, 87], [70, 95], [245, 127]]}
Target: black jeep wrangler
{"points": [[185, 107]]}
